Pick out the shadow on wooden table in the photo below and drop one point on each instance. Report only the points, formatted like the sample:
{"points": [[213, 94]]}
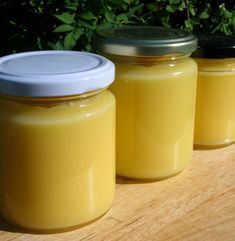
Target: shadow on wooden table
{"points": [[208, 148], [5, 226], [8, 227]]}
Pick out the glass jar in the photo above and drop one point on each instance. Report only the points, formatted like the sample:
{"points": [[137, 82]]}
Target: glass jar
{"points": [[155, 89], [57, 125], [215, 112]]}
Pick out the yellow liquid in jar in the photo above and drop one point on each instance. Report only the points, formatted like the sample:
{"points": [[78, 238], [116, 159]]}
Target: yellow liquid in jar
{"points": [[215, 112], [57, 162], [155, 118]]}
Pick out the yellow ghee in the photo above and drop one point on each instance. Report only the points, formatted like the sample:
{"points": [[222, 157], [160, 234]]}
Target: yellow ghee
{"points": [[155, 116], [57, 167], [57, 139], [215, 112], [155, 88]]}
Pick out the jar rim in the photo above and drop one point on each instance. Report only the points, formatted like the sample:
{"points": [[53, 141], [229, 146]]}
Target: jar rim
{"points": [[215, 46], [143, 41]]}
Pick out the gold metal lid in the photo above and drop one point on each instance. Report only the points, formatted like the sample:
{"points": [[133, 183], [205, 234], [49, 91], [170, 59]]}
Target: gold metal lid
{"points": [[143, 41]]}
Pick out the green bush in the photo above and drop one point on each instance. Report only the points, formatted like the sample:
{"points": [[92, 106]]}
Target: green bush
{"points": [[56, 24]]}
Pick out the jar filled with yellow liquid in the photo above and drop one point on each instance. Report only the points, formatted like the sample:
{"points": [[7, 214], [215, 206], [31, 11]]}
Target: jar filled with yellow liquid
{"points": [[155, 88], [57, 141], [215, 111]]}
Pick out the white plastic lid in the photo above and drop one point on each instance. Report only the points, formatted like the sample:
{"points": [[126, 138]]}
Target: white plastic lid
{"points": [[54, 73]]}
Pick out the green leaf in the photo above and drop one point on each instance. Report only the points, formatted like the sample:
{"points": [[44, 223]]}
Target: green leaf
{"points": [[104, 26], [165, 21], [87, 25], [114, 2], [227, 14], [152, 7], [69, 41], [63, 28], [65, 18], [188, 25], [127, 1], [222, 7], [122, 18], [136, 8], [182, 6], [204, 15], [12, 22], [110, 17], [72, 5], [78, 32], [88, 16], [233, 23], [170, 9], [224, 28], [57, 46], [192, 10], [74, 8], [174, 2]]}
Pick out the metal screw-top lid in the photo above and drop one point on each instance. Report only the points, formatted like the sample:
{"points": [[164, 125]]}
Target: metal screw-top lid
{"points": [[143, 41], [215, 46], [54, 73]]}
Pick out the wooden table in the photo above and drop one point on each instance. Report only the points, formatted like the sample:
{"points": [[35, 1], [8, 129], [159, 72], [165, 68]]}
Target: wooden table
{"points": [[196, 205]]}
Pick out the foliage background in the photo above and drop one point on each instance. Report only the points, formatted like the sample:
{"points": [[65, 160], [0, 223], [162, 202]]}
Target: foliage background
{"points": [[68, 24]]}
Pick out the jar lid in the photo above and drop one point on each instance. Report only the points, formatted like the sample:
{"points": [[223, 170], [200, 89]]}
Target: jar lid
{"points": [[215, 46], [143, 41], [54, 73]]}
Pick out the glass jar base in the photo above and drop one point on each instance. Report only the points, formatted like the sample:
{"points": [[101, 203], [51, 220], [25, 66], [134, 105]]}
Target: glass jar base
{"points": [[130, 179], [22, 229], [212, 146]]}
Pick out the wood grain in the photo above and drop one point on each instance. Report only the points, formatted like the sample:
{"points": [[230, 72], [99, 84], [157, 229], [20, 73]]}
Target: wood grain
{"points": [[196, 205]]}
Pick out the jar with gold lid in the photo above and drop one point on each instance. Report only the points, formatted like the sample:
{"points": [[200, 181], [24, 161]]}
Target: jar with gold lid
{"points": [[155, 88]]}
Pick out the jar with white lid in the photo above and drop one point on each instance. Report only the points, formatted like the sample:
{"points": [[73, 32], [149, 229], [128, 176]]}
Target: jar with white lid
{"points": [[155, 88], [215, 112], [57, 142]]}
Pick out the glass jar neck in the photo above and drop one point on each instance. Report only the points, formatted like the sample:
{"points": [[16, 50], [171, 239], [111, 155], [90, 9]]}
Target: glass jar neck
{"points": [[50, 100], [147, 60], [216, 65]]}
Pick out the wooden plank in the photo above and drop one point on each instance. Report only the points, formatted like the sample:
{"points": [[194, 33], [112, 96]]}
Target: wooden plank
{"points": [[198, 204]]}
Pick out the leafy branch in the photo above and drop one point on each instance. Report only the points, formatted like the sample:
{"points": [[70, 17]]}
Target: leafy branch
{"points": [[69, 24]]}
